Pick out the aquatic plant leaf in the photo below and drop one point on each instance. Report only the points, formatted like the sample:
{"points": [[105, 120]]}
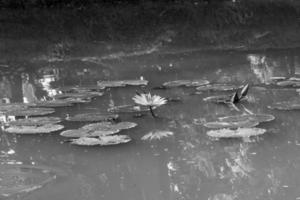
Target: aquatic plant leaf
{"points": [[13, 106], [31, 112], [157, 135], [128, 109], [82, 95], [244, 91], [121, 83], [92, 117], [52, 104], [102, 141], [277, 78], [254, 117], [20, 179], [35, 121], [187, 83], [237, 124], [48, 128], [218, 87], [285, 105], [237, 133], [79, 89], [219, 99], [235, 98], [288, 83], [149, 100], [74, 100], [124, 125]]}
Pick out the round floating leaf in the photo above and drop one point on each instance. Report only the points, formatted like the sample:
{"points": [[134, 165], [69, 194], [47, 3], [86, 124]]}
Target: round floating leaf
{"points": [[121, 83], [157, 135], [128, 109], [187, 83], [31, 112], [18, 179], [125, 125], [289, 83], [286, 105], [218, 87], [93, 117], [219, 99], [237, 133], [79, 89], [277, 78], [294, 79], [254, 117], [35, 121], [102, 141], [48, 128], [82, 95], [12, 107], [238, 124], [52, 104], [74, 100]]}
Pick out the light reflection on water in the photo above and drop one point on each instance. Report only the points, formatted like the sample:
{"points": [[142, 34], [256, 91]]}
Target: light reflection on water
{"points": [[186, 166]]}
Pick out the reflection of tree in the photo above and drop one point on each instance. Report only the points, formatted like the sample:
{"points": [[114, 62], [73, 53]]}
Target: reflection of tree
{"points": [[28, 90], [5, 90]]}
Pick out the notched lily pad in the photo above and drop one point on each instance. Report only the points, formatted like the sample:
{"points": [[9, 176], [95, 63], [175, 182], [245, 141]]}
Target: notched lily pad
{"points": [[237, 133], [186, 83], [157, 135], [35, 121], [48, 128], [121, 83], [92, 117], [31, 112], [128, 109], [102, 141], [237, 124], [21, 179], [285, 105], [52, 104], [253, 117], [218, 87], [98, 129]]}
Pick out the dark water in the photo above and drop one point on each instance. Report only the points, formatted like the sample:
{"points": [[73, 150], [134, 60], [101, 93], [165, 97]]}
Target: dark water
{"points": [[186, 166]]}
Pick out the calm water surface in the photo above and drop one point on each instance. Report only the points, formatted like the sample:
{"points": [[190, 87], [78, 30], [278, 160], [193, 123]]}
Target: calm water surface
{"points": [[186, 166]]}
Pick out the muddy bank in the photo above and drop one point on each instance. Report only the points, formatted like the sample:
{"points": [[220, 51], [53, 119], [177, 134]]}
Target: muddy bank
{"points": [[147, 26]]}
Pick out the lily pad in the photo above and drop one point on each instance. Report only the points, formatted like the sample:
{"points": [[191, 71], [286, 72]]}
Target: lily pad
{"points": [[254, 117], [157, 135], [31, 112], [219, 99], [79, 89], [35, 121], [121, 83], [218, 87], [285, 105], [13, 106], [187, 83], [78, 95], [52, 104], [93, 117], [48, 128], [237, 133], [238, 124], [74, 100], [21, 179], [102, 141], [98, 129], [288, 83], [128, 109]]}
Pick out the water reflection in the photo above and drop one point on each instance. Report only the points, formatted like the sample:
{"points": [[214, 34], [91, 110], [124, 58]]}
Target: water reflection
{"points": [[28, 89]]}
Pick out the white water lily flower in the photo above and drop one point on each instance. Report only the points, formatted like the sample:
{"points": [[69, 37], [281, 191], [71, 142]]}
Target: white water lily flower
{"points": [[157, 135], [149, 100]]}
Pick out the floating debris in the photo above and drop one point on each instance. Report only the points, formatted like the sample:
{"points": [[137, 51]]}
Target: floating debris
{"points": [[35, 121], [30, 112], [157, 135], [218, 87], [92, 117], [237, 124], [186, 83], [48, 128], [253, 117], [19, 179], [237, 133], [102, 141], [121, 83], [98, 129]]}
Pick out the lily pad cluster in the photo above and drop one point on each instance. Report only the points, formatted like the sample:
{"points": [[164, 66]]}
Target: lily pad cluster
{"points": [[99, 132], [34, 125], [121, 83], [238, 125]]}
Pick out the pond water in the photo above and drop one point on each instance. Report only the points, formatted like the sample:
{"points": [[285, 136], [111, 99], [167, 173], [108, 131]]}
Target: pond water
{"points": [[187, 165]]}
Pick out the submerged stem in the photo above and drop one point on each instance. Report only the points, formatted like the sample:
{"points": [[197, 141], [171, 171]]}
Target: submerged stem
{"points": [[152, 112]]}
